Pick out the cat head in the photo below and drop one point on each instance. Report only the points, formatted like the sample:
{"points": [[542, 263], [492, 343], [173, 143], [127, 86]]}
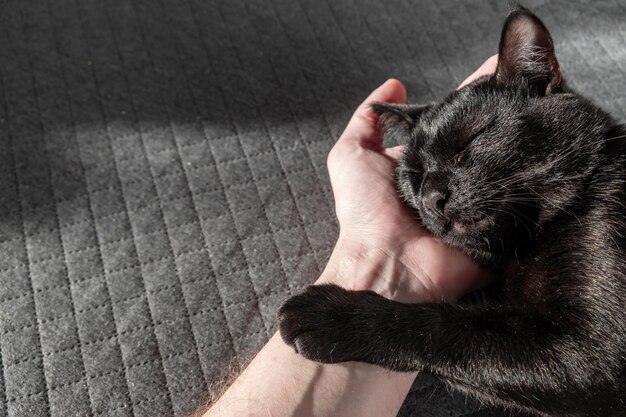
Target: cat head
{"points": [[489, 166]]}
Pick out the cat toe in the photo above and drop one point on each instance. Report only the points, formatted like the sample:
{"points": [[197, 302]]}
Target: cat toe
{"points": [[298, 315], [290, 325], [314, 346], [318, 323]]}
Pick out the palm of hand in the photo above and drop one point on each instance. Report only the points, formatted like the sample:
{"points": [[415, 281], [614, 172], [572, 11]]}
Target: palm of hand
{"points": [[370, 211], [366, 200]]}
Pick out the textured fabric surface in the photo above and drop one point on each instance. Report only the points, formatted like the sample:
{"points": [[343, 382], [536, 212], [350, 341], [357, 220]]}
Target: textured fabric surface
{"points": [[163, 184]]}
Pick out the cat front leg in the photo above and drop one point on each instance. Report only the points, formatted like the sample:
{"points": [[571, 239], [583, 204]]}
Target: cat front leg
{"points": [[329, 324], [507, 355]]}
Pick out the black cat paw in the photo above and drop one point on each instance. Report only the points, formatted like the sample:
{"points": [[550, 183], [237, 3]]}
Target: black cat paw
{"points": [[328, 324]]}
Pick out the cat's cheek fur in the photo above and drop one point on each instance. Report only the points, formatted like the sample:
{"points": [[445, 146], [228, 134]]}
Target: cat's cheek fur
{"points": [[407, 187]]}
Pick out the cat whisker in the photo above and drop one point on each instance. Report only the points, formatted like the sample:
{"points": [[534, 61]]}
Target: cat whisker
{"points": [[513, 213], [486, 239], [403, 168], [615, 138], [566, 211], [525, 198]]}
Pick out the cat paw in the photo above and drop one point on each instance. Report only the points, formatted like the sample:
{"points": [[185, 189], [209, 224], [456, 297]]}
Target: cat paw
{"points": [[328, 324]]}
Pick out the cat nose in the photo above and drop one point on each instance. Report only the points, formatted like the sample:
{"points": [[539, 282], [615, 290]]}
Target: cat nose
{"points": [[435, 194], [434, 202]]}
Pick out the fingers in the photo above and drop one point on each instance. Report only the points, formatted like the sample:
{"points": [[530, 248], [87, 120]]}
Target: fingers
{"points": [[488, 67], [362, 129], [393, 153]]}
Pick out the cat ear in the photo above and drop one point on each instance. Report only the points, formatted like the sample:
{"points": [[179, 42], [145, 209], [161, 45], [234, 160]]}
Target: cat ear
{"points": [[396, 121], [527, 53]]}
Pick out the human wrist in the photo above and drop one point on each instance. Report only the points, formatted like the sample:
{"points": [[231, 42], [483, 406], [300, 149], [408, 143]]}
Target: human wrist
{"points": [[364, 265]]}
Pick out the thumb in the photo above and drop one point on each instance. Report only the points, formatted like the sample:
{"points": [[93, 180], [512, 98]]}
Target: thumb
{"points": [[362, 130]]}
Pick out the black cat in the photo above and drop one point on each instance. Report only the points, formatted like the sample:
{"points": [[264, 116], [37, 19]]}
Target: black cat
{"points": [[530, 179]]}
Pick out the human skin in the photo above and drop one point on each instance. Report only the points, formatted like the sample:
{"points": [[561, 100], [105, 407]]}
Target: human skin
{"points": [[380, 248]]}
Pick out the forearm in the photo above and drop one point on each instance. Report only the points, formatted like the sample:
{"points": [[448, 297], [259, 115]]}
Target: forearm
{"points": [[279, 382]]}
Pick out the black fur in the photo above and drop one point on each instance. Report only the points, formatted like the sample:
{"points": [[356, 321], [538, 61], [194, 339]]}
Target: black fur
{"points": [[529, 179]]}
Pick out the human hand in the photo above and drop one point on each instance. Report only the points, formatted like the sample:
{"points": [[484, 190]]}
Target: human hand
{"points": [[381, 246]]}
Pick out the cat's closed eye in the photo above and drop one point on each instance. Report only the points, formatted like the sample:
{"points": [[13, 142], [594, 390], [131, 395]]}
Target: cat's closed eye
{"points": [[461, 157], [463, 154]]}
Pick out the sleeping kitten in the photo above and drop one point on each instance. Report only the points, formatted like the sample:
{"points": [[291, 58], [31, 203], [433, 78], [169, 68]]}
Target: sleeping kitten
{"points": [[529, 179]]}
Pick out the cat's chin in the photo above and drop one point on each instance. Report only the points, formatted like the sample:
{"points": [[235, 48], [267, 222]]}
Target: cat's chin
{"points": [[467, 238], [473, 248]]}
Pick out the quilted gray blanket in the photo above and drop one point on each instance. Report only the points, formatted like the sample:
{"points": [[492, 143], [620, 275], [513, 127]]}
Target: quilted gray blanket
{"points": [[163, 184]]}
